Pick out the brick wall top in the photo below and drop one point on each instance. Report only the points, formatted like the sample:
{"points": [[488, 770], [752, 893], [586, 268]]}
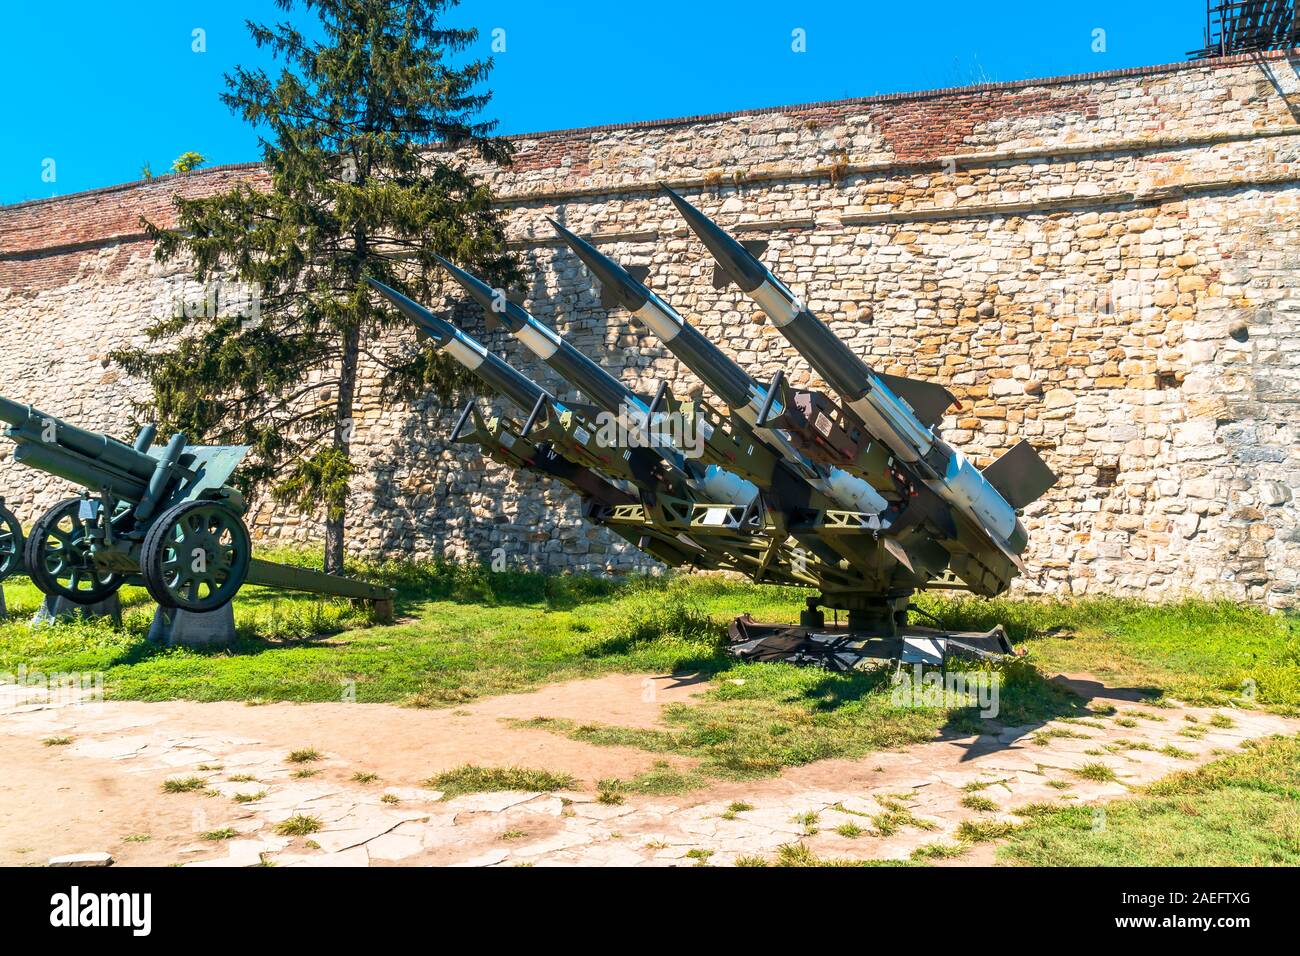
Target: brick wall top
{"points": [[897, 128]]}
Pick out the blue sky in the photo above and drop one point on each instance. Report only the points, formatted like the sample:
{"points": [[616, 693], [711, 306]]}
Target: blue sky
{"points": [[100, 89]]}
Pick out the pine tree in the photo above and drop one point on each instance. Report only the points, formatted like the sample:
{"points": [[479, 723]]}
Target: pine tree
{"points": [[366, 135]]}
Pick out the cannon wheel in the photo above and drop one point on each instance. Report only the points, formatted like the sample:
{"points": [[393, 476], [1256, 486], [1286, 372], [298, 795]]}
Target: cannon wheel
{"points": [[57, 556], [195, 556], [11, 542]]}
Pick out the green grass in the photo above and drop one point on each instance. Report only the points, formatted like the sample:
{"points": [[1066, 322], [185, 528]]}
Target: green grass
{"points": [[183, 784], [799, 855], [1241, 810], [766, 717], [471, 779], [661, 780], [57, 741], [298, 825], [307, 755], [938, 851], [978, 831], [1095, 771], [225, 833], [464, 632], [1200, 651], [981, 804]]}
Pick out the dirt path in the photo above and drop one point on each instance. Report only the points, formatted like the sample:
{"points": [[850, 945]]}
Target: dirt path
{"points": [[102, 790]]}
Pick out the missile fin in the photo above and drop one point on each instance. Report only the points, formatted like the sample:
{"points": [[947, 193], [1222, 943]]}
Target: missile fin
{"points": [[898, 552], [609, 299], [755, 247], [638, 273], [1020, 476], [928, 400]]}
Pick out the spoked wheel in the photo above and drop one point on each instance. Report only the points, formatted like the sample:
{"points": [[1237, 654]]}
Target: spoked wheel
{"points": [[57, 556], [196, 556], [11, 542]]}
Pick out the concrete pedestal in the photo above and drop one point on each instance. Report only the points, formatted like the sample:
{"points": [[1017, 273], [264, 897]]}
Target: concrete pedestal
{"points": [[56, 608], [172, 626]]}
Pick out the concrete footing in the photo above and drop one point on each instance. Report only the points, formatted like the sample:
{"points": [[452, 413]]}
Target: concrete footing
{"points": [[173, 626], [55, 608]]}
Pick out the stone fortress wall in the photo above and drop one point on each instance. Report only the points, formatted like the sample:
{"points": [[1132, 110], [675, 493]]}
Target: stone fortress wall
{"points": [[1104, 264]]}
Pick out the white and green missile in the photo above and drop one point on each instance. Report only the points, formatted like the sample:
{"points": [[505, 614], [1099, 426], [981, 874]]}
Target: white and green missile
{"points": [[741, 393], [902, 413], [713, 483]]}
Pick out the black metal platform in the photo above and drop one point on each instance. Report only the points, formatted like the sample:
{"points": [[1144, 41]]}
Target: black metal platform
{"points": [[839, 649]]}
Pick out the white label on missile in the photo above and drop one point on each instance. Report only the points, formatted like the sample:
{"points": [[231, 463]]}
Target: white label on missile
{"points": [[660, 318], [507, 439], [465, 353], [582, 435], [776, 302], [822, 424], [541, 340]]}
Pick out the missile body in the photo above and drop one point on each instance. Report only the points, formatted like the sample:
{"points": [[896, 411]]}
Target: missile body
{"points": [[720, 374], [499, 375], [713, 482], [570, 430], [873, 398]]}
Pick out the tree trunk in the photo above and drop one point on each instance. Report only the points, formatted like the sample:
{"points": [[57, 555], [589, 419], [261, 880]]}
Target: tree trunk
{"points": [[343, 427]]}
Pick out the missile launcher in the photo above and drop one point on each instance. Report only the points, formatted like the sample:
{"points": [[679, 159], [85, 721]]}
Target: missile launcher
{"points": [[851, 491]]}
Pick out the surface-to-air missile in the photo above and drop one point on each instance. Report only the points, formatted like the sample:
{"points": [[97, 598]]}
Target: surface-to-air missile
{"points": [[651, 500], [728, 448], [162, 516], [851, 491], [900, 413], [710, 479]]}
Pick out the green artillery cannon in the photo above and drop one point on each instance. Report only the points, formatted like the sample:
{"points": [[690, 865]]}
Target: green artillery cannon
{"points": [[161, 516], [11, 542]]}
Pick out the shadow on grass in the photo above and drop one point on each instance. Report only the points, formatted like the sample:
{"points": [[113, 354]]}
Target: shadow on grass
{"points": [[420, 582]]}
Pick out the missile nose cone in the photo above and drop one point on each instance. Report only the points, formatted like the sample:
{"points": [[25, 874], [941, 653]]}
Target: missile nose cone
{"points": [[436, 327], [616, 286], [737, 261], [493, 301]]}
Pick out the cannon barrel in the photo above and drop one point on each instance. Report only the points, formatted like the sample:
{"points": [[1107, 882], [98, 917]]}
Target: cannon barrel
{"points": [[53, 445]]}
